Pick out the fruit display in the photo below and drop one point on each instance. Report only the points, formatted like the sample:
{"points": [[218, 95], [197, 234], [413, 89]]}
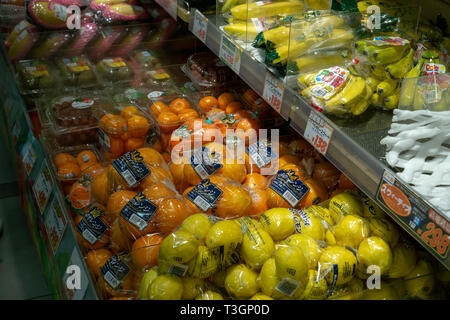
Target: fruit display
{"points": [[76, 72], [114, 69]]}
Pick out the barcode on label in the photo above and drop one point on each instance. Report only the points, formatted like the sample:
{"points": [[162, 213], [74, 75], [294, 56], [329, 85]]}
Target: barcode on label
{"points": [[290, 198], [201, 171], [319, 92], [258, 159], [202, 204], [129, 178], [178, 269], [111, 280], [89, 236], [287, 286], [138, 221]]}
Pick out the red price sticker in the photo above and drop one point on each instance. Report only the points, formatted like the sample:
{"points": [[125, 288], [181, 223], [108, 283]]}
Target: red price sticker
{"points": [[318, 132], [273, 91], [230, 53], [200, 27], [437, 233]]}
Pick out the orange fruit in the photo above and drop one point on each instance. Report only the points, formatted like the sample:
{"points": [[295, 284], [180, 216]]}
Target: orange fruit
{"points": [[138, 126], [86, 158], [144, 252], [234, 202], [167, 157], [165, 140], [177, 171], [113, 125], [133, 232], [129, 111], [345, 182], [168, 121], [170, 215], [69, 170], [117, 147], [317, 193], [157, 174], [100, 243], [126, 286], [225, 99], [158, 107], [95, 259], [233, 107], [63, 158], [187, 114], [158, 191], [157, 146], [327, 174], [79, 195], [288, 158], [100, 188], [179, 104], [250, 165], [259, 202], [119, 239], [115, 180], [134, 143], [116, 202], [255, 181], [151, 156], [192, 206], [207, 103], [234, 171], [298, 170]]}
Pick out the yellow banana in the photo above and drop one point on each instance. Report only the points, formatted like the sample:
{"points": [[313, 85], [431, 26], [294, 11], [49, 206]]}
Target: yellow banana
{"points": [[229, 4], [376, 100], [386, 87], [388, 55], [391, 102], [306, 80], [359, 107], [354, 88], [314, 62], [255, 10], [372, 83], [241, 31], [401, 67], [409, 86]]}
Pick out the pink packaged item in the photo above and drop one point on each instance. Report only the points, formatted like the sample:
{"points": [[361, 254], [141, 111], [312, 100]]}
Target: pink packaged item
{"points": [[124, 12], [106, 39], [81, 39], [23, 43], [134, 37], [102, 4]]}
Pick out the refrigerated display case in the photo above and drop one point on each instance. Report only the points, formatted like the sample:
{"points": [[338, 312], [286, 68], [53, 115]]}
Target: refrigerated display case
{"points": [[92, 133]]}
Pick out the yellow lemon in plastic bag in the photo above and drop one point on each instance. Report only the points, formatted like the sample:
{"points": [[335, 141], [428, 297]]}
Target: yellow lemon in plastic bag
{"points": [[337, 262], [343, 204], [322, 213], [420, 281], [353, 290], [316, 288], [241, 282], [350, 231], [278, 222], [371, 209], [166, 287], [310, 248], [205, 263], [260, 296], [226, 233], [403, 260], [257, 247], [291, 263], [146, 281], [197, 224], [192, 287], [374, 251], [210, 295], [330, 239], [178, 247], [384, 229], [309, 224]]}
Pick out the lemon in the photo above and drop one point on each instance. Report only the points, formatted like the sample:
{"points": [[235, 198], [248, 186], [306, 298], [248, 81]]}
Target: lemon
{"points": [[192, 287], [330, 238], [204, 264], [350, 231], [209, 295], [219, 278], [371, 209], [310, 248], [316, 288], [291, 263], [386, 292], [146, 281], [384, 229], [353, 290], [256, 248], [343, 204], [197, 224], [308, 224], [403, 260], [241, 282], [248, 223], [261, 296], [278, 222], [322, 213], [226, 233], [338, 262], [166, 287], [420, 281], [375, 251], [267, 278], [178, 247]]}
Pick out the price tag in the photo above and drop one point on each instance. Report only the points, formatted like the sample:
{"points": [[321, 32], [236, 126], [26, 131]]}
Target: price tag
{"points": [[230, 53], [318, 132], [171, 7], [273, 91], [42, 187], [75, 279], [200, 27], [29, 157], [55, 224]]}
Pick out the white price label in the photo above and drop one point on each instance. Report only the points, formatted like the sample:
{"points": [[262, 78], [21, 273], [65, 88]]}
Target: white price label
{"points": [[230, 53], [55, 224], [318, 132], [200, 27], [273, 91], [171, 7]]}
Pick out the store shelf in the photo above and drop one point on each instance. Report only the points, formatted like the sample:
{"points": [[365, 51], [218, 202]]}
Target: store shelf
{"points": [[43, 203], [353, 147]]}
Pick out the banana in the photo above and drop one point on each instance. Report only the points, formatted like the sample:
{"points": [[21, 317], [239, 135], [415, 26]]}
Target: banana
{"points": [[307, 92], [379, 72], [229, 4], [372, 83], [376, 100], [306, 80], [313, 62], [401, 67], [359, 107], [409, 85], [388, 55], [419, 102], [241, 31], [354, 88], [361, 46], [386, 87], [255, 10], [391, 102]]}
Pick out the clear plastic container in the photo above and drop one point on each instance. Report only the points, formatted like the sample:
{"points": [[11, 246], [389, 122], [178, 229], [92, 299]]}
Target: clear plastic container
{"points": [[36, 76], [147, 59], [114, 70], [77, 72]]}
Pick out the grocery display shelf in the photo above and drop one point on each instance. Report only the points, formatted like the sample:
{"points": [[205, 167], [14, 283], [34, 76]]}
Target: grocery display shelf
{"points": [[352, 146], [48, 219]]}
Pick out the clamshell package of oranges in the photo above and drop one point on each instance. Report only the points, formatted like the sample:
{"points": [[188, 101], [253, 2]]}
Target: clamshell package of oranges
{"points": [[183, 196]]}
